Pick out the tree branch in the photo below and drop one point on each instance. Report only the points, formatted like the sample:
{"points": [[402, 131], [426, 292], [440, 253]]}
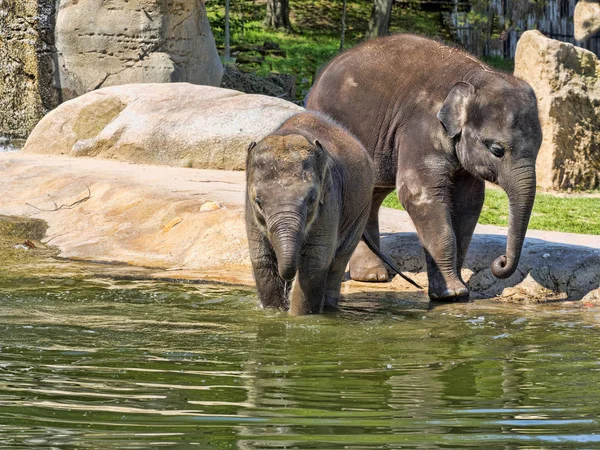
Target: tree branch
{"points": [[71, 206]]}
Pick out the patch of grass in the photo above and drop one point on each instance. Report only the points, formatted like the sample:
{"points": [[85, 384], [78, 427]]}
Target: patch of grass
{"points": [[391, 201], [315, 36], [571, 214], [304, 55], [503, 65]]}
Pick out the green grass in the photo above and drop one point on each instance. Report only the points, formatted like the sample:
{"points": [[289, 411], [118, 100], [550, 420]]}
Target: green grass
{"points": [[504, 65], [572, 214]]}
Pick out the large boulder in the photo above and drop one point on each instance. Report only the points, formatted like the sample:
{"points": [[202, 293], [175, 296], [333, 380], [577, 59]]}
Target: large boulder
{"points": [[26, 65], [566, 80], [175, 124], [586, 19], [107, 43], [51, 51]]}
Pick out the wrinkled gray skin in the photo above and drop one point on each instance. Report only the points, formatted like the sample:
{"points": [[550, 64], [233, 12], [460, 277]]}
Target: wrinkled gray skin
{"points": [[308, 197], [437, 123]]}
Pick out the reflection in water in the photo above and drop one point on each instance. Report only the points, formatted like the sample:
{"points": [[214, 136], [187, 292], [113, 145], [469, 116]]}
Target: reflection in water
{"points": [[101, 363]]}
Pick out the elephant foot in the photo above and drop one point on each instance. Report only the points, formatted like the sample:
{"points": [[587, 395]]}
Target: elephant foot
{"points": [[331, 304], [450, 292], [366, 265]]}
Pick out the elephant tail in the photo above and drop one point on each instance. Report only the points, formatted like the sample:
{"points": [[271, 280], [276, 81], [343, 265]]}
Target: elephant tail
{"points": [[385, 259]]}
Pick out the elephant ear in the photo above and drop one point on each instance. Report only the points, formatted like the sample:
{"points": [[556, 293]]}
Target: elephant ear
{"points": [[249, 156], [453, 113], [318, 144], [326, 174]]}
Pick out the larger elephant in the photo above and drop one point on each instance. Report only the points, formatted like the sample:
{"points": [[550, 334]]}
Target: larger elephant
{"points": [[438, 124]]}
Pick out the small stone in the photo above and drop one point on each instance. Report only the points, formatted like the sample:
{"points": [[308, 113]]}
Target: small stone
{"points": [[210, 206], [546, 255]]}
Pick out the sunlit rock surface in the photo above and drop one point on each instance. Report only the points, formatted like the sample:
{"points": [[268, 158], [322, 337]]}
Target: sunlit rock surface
{"points": [[586, 19], [177, 124], [106, 43], [566, 81], [153, 217]]}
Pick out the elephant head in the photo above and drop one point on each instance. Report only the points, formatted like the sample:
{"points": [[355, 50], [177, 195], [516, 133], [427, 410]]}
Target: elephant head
{"points": [[493, 121], [287, 179]]}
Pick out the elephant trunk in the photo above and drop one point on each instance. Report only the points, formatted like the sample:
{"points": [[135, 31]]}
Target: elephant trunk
{"points": [[286, 236], [519, 183]]}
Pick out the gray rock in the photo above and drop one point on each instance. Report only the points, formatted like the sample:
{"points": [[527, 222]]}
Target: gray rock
{"points": [[106, 43], [49, 54], [570, 272]]}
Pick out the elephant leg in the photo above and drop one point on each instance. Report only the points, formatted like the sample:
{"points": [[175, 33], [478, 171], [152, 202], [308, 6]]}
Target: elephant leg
{"points": [[309, 287], [272, 290], [308, 291], [334, 280], [433, 220], [364, 264], [467, 202]]}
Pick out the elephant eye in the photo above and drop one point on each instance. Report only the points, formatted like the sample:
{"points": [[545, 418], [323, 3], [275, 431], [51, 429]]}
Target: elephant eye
{"points": [[312, 197], [496, 149], [258, 202]]}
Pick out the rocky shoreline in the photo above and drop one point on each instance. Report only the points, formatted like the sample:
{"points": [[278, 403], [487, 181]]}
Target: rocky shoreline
{"points": [[152, 217]]}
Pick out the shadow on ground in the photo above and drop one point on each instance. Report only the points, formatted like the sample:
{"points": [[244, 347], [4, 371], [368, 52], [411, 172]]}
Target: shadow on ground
{"points": [[547, 270]]}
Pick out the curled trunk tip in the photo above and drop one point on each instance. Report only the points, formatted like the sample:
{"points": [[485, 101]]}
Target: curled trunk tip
{"points": [[287, 271], [499, 268]]}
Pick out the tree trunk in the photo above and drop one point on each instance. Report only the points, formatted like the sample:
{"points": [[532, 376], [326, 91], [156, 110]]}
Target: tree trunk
{"points": [[227, 49], [380, 18], [278, 14], [343, 36]]}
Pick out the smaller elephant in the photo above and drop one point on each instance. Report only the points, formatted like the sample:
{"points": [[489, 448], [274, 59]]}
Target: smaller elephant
{"points": [[308, 197]]}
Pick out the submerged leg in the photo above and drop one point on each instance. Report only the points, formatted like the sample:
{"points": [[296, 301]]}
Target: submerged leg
{"points": [[271, 288]]}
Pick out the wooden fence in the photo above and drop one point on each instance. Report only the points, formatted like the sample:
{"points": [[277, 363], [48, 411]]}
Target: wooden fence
{"points": [[505, 21]]}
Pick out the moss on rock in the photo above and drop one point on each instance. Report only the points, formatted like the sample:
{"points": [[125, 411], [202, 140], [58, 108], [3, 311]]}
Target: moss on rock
{"points": [[18, 228]]}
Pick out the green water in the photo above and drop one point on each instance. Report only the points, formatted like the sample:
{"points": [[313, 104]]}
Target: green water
{"points": [[107, 364]]}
